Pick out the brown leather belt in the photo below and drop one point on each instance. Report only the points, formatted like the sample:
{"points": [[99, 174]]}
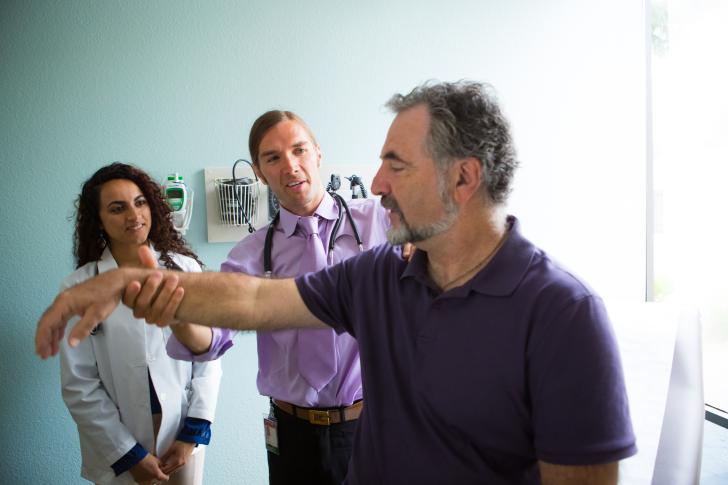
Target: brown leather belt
{"points": [[321, 416]]}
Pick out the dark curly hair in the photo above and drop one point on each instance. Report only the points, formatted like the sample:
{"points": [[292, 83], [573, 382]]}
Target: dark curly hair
{"points": [[90, 239], [466, 121]]}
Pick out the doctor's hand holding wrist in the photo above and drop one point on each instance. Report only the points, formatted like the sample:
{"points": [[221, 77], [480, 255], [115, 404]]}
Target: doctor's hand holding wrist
{"points": [[159, 305], [154, 299]]}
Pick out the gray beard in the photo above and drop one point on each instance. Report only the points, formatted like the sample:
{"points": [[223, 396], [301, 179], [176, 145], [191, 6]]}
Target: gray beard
{"points": [[408, 234]]}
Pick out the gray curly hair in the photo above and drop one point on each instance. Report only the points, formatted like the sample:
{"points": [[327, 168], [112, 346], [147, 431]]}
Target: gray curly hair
{"points": [[466, 122]]}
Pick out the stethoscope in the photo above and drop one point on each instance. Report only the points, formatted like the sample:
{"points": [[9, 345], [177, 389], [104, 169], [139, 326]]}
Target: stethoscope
{"points": [[268, 246]]}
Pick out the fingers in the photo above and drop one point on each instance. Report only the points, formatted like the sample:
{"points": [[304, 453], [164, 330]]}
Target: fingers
{"points": [[146, 256], [166, 457], [173, 465], [161, 476], [161, 307], [93, 315], [56, 340], [156, 300], [169, 462], [130, 293], [151, 481], [51, 327], [92, 300], [148, 471], [146, 295], [157, 474], [170, 310], [408, 250], [162, 301], [176, 456]]}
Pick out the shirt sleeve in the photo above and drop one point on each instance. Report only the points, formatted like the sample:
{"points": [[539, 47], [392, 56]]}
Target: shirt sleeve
{"points": [[195, 431], [579, 401], [222, 340], [131, 458], [328, 294], [204, 387]]}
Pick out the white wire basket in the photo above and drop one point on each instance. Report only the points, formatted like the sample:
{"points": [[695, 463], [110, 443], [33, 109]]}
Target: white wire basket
{"points": [[233, 211]]}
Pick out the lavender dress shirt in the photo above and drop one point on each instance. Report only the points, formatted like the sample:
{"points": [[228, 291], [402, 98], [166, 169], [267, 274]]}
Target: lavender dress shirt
{"points": [[278, 374]]}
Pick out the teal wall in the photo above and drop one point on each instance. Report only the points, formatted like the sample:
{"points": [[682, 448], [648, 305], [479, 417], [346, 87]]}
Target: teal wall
{"points": [[174, 86]]}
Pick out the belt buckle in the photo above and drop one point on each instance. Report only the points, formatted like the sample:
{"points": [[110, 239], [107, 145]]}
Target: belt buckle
{"points": [[319, 417]]}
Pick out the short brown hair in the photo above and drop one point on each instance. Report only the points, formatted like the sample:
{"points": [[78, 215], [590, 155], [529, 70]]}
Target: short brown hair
{"points": [[268, 120]]}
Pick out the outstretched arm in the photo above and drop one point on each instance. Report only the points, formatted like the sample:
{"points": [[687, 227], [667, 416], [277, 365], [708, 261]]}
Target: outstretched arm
{"points": [[231, 300]]}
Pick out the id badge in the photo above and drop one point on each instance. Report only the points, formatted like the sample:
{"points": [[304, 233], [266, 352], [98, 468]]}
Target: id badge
{"points": [[271, 434]]}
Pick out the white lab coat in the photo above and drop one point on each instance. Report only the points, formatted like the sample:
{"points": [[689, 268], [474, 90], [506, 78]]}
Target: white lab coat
{"points": [[106, 389]]}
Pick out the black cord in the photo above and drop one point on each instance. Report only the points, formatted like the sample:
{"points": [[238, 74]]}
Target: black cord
{"points": [[337, 224], [348, 215], [267, 247], [363, 190], [251, 229]]}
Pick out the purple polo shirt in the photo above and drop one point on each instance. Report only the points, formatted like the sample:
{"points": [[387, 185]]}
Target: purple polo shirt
{"points": [[278, 375], [476, 384]]}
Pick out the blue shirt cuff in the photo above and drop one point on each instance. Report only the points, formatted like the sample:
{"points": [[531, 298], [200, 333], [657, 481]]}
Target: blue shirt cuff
{"points": [[195, 430], [131, 458]]}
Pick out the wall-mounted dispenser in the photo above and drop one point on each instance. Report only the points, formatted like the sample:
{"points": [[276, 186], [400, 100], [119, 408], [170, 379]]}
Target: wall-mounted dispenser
{"points": [[180, 199]]}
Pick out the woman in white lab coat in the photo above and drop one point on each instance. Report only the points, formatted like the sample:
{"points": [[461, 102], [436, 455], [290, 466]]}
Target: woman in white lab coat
{"points": [[140, 414]]}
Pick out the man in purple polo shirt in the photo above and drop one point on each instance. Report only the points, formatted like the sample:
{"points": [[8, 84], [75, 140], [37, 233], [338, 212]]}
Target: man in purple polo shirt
{"points": [[315, 390], [483, 361]]}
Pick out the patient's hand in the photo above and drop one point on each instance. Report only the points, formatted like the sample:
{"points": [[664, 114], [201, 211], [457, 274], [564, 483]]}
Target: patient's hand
{"points": [[92, 300]]}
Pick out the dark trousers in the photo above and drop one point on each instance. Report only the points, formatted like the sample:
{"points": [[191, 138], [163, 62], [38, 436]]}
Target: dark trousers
{"points": [[310, 454]]}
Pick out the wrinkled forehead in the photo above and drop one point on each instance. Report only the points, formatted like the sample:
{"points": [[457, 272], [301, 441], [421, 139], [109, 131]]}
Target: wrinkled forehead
{"points": [[408, 133]]}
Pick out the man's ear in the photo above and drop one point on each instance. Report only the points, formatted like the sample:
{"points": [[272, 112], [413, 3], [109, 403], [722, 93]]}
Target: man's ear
{"points": [[318, 156], [259, 174], [468, 175]]}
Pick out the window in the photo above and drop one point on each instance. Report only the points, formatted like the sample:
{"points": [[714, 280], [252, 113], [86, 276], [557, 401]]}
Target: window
{"points": [[690, 170]]}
